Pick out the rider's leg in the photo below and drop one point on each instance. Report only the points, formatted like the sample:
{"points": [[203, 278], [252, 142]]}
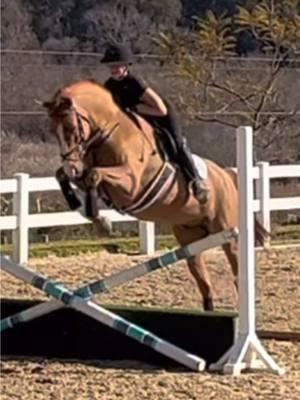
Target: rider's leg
{"points": [[199, 186], [178, 151], [186, 161]]}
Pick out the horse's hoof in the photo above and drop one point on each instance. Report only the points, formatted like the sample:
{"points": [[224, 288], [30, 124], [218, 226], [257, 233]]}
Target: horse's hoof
{"points": [[208, 304], [103, 225], [91, 206], [93, 178]]}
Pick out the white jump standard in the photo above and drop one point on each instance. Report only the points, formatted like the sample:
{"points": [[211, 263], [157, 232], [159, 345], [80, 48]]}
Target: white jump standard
{"points": [[248, 352]]}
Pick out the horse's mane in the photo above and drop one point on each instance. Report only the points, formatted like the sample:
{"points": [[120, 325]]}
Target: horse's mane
{"points": [[71, 85], [91, 89], [82, 88], [96, 82]]}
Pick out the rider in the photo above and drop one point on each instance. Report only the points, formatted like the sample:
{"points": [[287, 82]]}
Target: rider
{"points": [[132, 93]]}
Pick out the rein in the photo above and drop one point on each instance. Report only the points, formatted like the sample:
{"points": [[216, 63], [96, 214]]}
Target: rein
{"points": [[84, 145]]}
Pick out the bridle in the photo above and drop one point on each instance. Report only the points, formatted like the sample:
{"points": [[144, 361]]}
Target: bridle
{"points": [[82, 146]]}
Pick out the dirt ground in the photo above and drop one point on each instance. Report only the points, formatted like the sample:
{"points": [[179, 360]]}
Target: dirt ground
{"points": [[278, 307]]}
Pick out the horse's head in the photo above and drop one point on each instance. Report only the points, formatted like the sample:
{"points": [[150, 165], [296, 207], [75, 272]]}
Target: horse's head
{"points": [[92, 129], [73, 128]]}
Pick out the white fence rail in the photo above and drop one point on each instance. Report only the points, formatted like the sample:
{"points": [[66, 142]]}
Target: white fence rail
{"points": [[21, 220]]}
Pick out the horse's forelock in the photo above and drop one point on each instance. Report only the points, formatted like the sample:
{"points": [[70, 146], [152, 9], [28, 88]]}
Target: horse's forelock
{"points": [[61, 103], [86, 93]]}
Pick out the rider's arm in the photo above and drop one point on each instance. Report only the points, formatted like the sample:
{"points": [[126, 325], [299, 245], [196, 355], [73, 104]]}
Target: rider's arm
{"points": [[108, 84], [151, 104]]}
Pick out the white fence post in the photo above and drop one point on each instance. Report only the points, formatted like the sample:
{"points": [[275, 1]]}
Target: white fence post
{"points": [[262, 186], [147, 237], [21, 210]]}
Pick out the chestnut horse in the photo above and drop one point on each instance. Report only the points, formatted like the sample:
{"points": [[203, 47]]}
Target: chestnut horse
{"points": [[109, 154]]}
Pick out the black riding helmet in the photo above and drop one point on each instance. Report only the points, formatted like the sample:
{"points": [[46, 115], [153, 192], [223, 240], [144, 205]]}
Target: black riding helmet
{"points": [[117, 53]]}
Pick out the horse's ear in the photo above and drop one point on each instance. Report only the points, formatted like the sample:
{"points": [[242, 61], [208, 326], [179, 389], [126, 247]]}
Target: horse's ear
{"points": [[62, 104], [48, 104]]}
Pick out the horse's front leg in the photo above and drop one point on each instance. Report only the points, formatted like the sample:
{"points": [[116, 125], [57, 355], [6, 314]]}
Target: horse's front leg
{"points": [[88, 197], [67, 190], [92, 181], [119, 178]]}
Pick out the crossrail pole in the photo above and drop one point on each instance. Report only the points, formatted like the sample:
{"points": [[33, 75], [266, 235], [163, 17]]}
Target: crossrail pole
{"points": [[93, 310], [124, 276]]}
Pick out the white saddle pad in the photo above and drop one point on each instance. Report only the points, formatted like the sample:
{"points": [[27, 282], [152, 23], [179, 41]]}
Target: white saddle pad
{"points": [[201, 166]]}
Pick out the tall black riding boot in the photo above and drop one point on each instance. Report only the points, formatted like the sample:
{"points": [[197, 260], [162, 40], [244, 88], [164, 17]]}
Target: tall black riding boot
{"points": [[199, 186]]}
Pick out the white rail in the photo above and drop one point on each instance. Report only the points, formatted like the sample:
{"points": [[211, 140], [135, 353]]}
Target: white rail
{"points": [[21, 220]]}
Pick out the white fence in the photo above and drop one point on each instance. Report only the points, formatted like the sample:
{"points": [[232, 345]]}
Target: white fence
{"points": [[21, 221]]}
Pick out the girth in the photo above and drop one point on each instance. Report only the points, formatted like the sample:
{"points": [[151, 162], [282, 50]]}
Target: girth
{"points": [[163, 182]]}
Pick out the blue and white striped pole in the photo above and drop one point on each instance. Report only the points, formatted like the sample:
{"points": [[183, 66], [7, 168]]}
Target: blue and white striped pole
{"points": [[106, 284], [93, 310]]}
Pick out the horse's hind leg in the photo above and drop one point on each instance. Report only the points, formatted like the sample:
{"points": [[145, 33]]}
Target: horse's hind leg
{"points": [[231, 252], [199, 271], [197, 265]]}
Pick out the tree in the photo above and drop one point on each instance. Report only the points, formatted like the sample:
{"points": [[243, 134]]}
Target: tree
{"points": [[53, 22], [219, 88], [16, 31], [166, 15], [133, 21], [118, 21]]}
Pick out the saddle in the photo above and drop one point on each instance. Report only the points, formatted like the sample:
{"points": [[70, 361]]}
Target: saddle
{"points": [[190, 165], [165, 143]]}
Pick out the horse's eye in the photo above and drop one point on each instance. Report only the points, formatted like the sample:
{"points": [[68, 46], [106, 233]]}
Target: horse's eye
{"points": [[70, 130]]}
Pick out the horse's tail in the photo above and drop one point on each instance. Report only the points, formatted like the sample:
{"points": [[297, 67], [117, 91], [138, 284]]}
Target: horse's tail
{"points": [[261, 234]]}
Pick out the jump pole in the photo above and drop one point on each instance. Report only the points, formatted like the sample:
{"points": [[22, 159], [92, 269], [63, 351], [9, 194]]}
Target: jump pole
{"points": [[247, 352], [93, 310], [106, 284]]}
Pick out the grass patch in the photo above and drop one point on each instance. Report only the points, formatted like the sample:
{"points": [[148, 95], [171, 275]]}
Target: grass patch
{"points": [[286, 232], [66, 248]]}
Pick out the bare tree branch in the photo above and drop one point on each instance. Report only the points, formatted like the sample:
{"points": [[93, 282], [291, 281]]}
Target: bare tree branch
{"points": [[266, 93], [216, 120]]}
